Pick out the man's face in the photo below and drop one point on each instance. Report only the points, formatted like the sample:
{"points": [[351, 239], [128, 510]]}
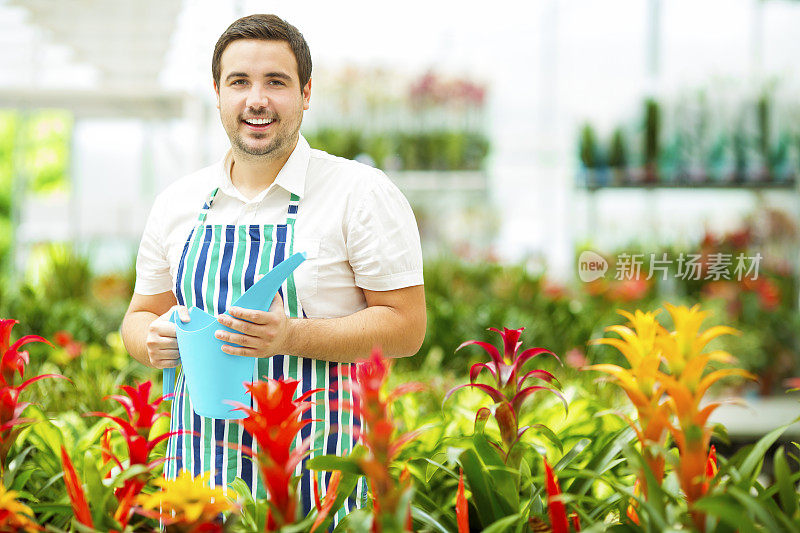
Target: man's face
{"points": [[259, 98]]}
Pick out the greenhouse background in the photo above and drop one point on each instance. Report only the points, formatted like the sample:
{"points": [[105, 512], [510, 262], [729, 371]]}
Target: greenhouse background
{"points": [[530, 141]]}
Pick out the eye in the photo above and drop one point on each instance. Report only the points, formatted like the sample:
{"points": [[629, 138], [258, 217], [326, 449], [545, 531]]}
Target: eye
{"points": [[238, 82], [276, 82]]}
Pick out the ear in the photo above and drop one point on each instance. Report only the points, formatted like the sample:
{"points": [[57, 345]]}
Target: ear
{"points": [[307, 95], [216, 91]]}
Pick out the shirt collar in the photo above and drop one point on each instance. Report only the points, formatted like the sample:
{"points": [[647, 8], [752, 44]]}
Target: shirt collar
{"points": [[292, 177]]}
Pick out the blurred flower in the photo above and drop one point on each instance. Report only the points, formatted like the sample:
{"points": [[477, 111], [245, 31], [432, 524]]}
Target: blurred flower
{"points": [[792, 383], [628, 290], [380, 436], [711, 468], [65, 340], [187, 505], [324, 507], [769, 295], [597, 287], [727, 291], [553, 290], [15, 516], [274, 423], [576, 358]]}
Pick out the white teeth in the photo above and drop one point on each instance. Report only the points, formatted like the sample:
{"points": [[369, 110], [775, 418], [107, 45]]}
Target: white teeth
{"points": [[259, 121]]}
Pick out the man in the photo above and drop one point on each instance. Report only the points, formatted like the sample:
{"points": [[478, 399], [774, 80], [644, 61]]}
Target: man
{"points": [[212, 233]]}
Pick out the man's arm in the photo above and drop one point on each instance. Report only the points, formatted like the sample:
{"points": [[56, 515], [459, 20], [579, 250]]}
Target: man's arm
{"points": [[394, 320], [148, 334]]}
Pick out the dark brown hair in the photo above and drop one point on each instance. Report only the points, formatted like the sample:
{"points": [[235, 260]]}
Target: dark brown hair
{"points": [[266, 28]]}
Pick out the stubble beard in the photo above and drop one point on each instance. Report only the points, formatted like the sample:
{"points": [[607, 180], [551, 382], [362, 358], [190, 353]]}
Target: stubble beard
{"points": [[273, 150]]}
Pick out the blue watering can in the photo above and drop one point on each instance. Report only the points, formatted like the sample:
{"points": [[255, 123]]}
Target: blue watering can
{"points": [[213, 377]]}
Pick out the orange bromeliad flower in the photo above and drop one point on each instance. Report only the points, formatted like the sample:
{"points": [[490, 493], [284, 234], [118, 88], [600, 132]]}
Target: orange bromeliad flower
{"points": [[187, 505], [274, 423], [324, 507]]}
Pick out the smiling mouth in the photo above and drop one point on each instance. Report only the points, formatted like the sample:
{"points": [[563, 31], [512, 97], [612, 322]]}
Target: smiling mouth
{"points": [[258, 124]]}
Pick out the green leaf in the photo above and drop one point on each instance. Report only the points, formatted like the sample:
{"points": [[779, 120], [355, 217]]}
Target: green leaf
{"points": [[347, 464], [483, 494], [571, 454], [550, 436], [433, 467], [426, 519], [357, 521], [504, 479], [503, 525], [751, 466], [756, 508], [783, 479]]}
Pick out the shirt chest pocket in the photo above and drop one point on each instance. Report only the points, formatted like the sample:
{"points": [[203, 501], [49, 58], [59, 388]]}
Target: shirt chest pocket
{"points": [[306, 276]]}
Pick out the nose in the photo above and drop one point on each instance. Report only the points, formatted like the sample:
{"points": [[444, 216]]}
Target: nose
{"points": [[257, 97]]}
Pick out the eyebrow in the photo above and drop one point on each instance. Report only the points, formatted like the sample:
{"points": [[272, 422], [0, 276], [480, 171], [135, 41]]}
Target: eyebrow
{"points": [[280, 75]]}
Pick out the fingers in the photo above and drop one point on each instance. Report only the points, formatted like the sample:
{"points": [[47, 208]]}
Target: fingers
{"points": [[237, 338], [277, 304], [165, 359], [239, 350], [183, 313], [250, 315]]}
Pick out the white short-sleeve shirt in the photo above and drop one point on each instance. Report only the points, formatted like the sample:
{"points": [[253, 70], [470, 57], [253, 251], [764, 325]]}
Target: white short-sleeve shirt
{"points": [[356, 227]]}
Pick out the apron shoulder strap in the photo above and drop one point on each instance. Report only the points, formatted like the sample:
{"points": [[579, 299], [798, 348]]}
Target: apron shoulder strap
{"points": [[201, 218]]}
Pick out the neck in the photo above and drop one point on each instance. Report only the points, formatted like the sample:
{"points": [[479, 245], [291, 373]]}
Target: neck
{"points": [[253, 174]]}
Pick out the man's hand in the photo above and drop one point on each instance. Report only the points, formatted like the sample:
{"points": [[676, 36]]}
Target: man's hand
{"points": [[261, 333], [162, 341]]}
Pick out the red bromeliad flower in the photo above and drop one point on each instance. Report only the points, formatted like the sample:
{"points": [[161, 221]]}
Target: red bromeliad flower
{"points": [[512, 385], [142, 415], [75, 491], [711, 468], [274, 423], [462, 508], [555, 507], [13, 362], [379, 436]]}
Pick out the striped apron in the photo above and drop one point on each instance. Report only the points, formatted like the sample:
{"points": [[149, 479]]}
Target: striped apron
{"points": [[219, 263]]}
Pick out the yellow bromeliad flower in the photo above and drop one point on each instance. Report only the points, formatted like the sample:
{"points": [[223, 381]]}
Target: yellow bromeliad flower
{"points": [[675, 388], [193, 501], [15, 516], [639, 345], [686, 385]]}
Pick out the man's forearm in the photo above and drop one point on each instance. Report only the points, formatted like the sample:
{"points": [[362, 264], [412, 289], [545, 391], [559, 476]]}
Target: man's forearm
{"points": [[351, 338], [134, 334]]}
